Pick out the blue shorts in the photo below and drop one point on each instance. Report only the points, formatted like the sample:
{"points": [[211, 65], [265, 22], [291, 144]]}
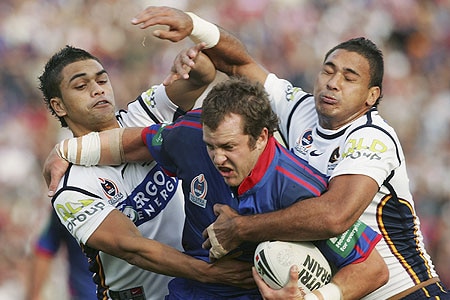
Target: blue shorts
{"points": [[183, 289]]}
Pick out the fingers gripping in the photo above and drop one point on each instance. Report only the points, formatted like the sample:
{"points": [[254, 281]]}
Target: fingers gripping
{"points": [[217, 251]]}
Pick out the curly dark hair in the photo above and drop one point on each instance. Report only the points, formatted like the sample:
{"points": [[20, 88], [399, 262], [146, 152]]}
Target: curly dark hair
{"points": [[243, 97], [50, 80]]}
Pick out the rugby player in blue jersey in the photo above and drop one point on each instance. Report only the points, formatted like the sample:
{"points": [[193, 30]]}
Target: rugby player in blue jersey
{"points": [[225, 153]]}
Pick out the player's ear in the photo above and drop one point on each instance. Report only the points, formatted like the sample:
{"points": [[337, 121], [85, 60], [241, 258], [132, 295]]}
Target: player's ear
{"points": [[261, 142], [58, 106], [374, 94]]}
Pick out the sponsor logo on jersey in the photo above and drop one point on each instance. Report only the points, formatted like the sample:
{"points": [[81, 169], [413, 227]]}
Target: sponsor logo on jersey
{"points": [[110, 190], [199, 189], [291, 91], [313, 275], [345, 243], [150, 197], [304, 142], [158, 138], [76, 212], [131, 213], [149, 97], [362, 148]]}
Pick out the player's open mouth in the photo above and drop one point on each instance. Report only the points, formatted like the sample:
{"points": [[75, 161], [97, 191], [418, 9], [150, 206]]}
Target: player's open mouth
{"points": [[224, 171]]}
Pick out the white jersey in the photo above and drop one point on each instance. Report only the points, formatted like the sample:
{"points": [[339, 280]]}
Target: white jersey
{"points": [[152, 200], [367, 146]]}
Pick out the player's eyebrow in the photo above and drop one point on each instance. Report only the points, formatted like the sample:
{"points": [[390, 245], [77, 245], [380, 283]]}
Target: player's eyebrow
{"points": [[346, 70], [84, 74]]}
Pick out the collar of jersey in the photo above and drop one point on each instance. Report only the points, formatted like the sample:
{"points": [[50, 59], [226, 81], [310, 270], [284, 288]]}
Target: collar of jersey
{"points": [[260, 168]]}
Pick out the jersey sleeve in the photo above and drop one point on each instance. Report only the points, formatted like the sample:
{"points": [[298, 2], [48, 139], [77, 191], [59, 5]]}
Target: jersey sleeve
{"points": [[288, 102], [151, 107], [153, 138], [369, 151], [353, 246], [81, 212]]}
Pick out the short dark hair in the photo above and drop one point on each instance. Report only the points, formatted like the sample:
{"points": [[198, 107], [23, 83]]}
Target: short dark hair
{"points": [[50, 80], [367, 49], [240, 96]]}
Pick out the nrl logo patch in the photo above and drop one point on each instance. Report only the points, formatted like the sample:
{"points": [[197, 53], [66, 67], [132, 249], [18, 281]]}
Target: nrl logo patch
{"points": [[304, 142], [199, 189]]}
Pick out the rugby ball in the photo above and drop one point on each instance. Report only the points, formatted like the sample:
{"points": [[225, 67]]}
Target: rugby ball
{"points": [[273, 259]]}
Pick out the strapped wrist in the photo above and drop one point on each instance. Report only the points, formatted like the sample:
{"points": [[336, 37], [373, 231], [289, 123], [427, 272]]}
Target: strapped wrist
{"points": [[84, 150], [203, 31], [330, 291], [87, 149]]}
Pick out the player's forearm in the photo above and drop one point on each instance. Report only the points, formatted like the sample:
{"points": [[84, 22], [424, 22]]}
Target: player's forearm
{"points": [[231, 57], [299, 222], [160, 258], [184, 93], [166, 260], [109, 147], [203, 72], [359, 279], [323, 217], [227, 52]]}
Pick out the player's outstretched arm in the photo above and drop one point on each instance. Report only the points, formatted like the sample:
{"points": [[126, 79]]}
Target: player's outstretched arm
{"points": [[109, 147], [119, 237], [227, 52]]}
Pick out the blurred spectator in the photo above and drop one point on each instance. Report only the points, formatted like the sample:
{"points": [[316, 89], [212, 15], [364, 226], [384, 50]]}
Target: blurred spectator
{"points": [[413, 34], [52, 239]]}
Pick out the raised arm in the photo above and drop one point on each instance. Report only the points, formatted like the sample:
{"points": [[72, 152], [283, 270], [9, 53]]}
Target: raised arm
{"points": [[228, 53]]}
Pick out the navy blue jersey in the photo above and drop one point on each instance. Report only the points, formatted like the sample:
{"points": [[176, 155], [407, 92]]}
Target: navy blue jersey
{"points": [[278, 180]]}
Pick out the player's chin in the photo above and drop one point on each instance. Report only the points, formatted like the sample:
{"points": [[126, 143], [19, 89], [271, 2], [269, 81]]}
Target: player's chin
{"points": [[231, 182]]}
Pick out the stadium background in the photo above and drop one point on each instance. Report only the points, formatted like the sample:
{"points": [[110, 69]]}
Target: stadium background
{"points": [[289, 37]]}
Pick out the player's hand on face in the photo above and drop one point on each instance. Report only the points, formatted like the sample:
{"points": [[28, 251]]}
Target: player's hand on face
{"points": [[290, 291], [53, 171], [183, 63], [221, 236], [179, 23]]}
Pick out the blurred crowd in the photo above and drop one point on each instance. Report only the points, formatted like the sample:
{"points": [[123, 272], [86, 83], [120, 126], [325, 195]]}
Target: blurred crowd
{"points": [[289, 37]]}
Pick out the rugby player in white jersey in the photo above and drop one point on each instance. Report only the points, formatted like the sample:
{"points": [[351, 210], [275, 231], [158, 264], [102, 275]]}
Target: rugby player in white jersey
{"points": [[129, 218], [339, 131]]}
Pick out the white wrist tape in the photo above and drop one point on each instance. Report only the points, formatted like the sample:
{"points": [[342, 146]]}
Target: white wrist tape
{"points": [[204, 31], [329, 291], [217, 251], [87, 150], [310, 296], [83, 150]]}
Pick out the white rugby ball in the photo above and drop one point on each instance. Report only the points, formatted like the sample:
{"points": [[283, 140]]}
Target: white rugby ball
{"points": [[273, 259]]}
